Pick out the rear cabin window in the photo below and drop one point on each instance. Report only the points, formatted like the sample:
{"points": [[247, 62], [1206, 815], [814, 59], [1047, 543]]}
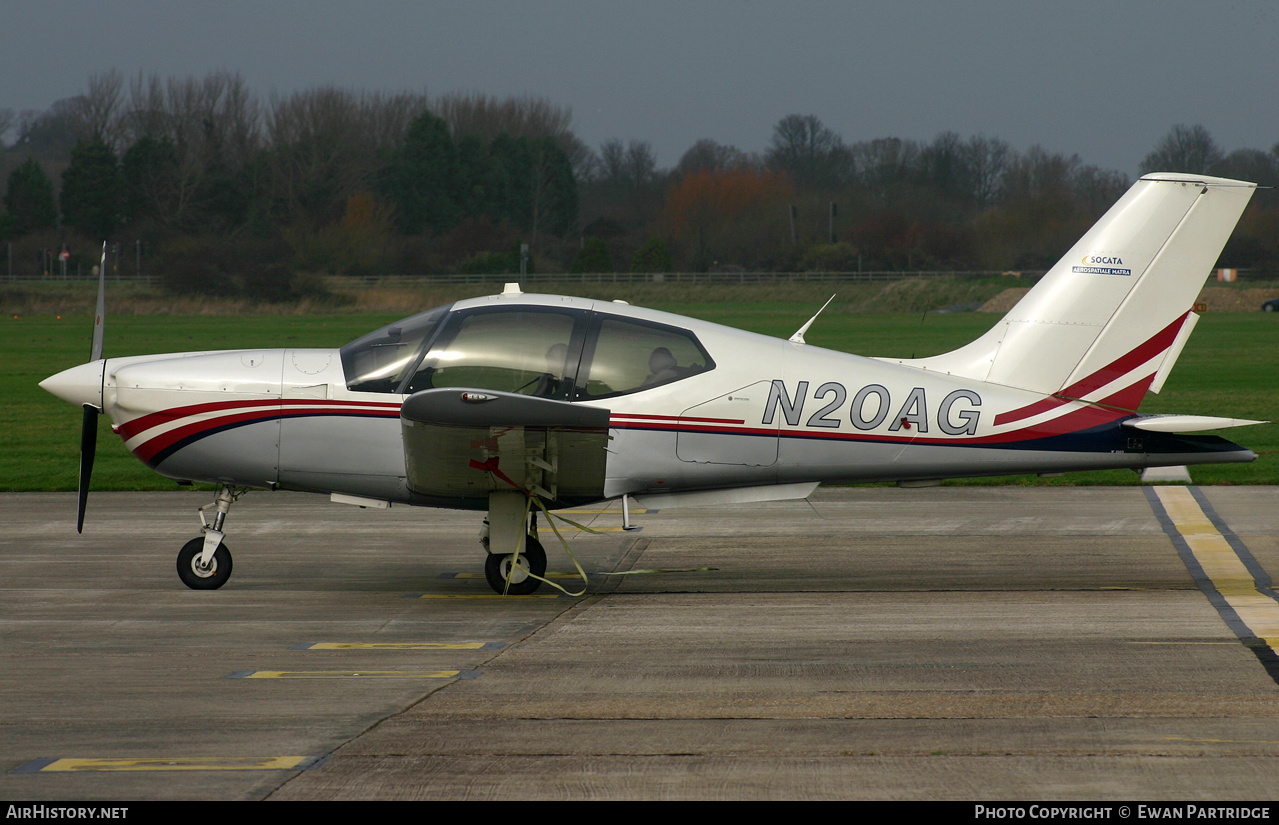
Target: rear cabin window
{"points": [[629, 357]]}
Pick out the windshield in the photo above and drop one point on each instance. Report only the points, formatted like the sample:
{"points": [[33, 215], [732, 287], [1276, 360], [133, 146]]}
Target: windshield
{"points": [[513, 350], [379, 361]]}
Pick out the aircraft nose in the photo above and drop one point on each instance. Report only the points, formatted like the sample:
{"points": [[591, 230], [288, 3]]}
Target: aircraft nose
{"points": [[79, 385]]}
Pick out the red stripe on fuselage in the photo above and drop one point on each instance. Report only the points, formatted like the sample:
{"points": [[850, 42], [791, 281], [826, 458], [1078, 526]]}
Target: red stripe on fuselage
{"points": [[266, 411], [141, 424], [675, 418]]}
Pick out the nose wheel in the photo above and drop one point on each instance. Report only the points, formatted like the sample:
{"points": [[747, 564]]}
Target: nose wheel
{"points": [[199, 576]]}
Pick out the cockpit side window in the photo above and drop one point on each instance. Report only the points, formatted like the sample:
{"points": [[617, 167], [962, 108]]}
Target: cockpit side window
{"points": [[629, 356], [525, 351], [379, 361]]}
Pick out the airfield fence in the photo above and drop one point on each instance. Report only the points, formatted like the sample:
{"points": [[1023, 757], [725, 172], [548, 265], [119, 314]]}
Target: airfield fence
{"points": [[558, 278], [409, 281], [675, 277]]}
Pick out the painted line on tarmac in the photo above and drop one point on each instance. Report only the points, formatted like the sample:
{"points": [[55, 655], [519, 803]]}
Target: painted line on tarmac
{"points": [[480, 596], [1223, 741], [185, 763], [634, 511], [1223, 568], [1183, 644], [398, 646], [553, 574], [354, 674], [617, 529]]}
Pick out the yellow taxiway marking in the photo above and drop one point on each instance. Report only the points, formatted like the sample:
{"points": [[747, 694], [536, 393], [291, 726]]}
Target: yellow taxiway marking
{"points": [[485, 596], [397, 646], [634, 511], [348, 674], [1222, 741], [1184, 643], [207, 763], [1221, 564], [618, 529], [553, 574]]}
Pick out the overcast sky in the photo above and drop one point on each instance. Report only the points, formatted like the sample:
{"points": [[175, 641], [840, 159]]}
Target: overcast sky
{"points": [[1105, 79]]}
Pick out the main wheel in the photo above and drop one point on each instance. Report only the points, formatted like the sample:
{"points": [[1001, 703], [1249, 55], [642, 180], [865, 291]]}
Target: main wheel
{"points": [[532, 560], [203, 578]]}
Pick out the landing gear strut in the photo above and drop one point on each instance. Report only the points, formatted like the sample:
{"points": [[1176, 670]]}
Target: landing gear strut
{"points": [[205, 563]]}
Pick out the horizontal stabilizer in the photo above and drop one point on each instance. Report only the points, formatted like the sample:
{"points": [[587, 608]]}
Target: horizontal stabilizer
{"points": [[1186, 423]]}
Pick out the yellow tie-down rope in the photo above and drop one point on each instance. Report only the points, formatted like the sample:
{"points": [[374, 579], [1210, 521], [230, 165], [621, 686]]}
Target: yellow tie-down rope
{"points": [[491, 466], [530, 500]]}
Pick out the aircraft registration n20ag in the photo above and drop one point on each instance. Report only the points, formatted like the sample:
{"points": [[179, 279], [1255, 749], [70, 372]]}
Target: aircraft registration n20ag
{"points": [[500, 403]]}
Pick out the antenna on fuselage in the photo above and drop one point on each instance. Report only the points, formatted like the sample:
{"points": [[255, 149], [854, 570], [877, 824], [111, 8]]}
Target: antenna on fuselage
{"points": [[798, 337]]}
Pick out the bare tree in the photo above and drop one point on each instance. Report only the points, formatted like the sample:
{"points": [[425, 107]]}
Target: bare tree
{"points": [[214, 127], [319, 156], [526, 116], [386, 117], [49, 134], [986, 160], [486, 117], [626, 168], [1038, 173], [1097, 189], [1184, 149], [941, 164], [625, 185], [885, 161], [814, 156], [8, 118], [97, 114], [708, 156], [1251, 165]]}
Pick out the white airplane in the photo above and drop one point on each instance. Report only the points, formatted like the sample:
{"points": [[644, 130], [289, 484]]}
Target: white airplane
{"points": [[515, 400]]}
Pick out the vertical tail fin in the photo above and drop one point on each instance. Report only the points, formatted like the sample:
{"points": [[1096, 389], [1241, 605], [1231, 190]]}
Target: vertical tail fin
{"points": [[1114, 311]]}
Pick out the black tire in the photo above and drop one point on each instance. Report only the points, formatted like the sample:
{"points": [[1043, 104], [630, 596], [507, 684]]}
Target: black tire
{"points": [[196, 578], [496, 565]]}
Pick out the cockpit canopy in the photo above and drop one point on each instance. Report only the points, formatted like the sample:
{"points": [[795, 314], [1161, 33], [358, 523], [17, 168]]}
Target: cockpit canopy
{"points": [[548, 351]]}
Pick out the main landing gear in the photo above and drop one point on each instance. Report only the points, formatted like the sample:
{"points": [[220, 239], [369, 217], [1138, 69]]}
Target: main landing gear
{"points": [[504, 529], [205, 563], [497, 569]]}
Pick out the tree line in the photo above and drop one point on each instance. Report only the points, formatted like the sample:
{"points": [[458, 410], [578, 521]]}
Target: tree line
{"points": [[229, 193]]}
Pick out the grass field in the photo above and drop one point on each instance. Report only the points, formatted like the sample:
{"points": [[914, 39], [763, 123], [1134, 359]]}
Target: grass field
{"points": [[1228, 368]]}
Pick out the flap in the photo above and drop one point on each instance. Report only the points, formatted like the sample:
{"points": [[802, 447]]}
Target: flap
{"points": [[467, 443]]}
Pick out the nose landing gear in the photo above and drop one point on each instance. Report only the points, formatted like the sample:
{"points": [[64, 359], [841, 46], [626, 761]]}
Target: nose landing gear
{"points": [[205, 563]]}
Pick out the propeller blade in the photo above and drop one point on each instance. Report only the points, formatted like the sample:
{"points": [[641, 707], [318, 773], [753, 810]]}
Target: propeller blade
{"points": [[95, 351], [88, 447], [89, 425]]}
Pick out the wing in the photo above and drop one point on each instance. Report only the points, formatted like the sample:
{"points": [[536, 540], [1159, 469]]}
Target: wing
{"points": [[462, 444]]}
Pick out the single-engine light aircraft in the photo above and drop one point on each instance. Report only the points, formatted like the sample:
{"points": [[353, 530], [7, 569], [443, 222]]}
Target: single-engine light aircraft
{"points": [[488, 404]]}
